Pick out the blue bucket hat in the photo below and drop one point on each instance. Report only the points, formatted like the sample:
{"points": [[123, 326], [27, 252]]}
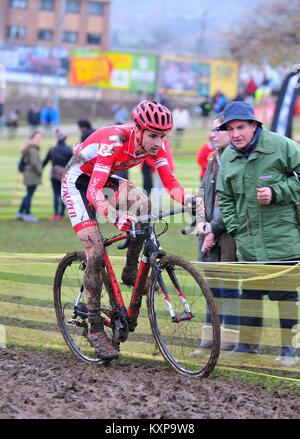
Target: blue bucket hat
{"points": [[238, 110]]}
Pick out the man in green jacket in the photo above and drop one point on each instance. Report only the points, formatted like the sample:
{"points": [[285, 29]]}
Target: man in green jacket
{"points": [[258, 186]]}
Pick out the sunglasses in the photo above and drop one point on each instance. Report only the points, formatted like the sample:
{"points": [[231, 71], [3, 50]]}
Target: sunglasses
{"points": [[215, 130]]}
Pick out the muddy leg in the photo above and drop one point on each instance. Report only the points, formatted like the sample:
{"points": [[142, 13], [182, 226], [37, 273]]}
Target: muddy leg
{"points": [[92, 281], [137, 204]]}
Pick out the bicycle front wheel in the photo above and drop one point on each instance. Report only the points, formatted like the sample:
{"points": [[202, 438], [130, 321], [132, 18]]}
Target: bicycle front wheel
{"points": [[178, 312], [68, 291]]}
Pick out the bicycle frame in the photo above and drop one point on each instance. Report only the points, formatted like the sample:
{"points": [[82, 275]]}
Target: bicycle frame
{"points": [[151, 251], [135, 300]]}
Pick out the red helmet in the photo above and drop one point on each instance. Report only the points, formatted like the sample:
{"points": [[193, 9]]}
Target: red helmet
{"points": [[150, 115]]}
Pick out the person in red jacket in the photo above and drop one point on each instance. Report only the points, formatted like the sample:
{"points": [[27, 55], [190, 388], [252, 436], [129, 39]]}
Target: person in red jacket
{"points": [[90, 186], [203, 154]]}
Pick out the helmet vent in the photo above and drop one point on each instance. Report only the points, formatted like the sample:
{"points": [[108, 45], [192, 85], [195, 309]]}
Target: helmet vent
{"points": [[142, 119]]}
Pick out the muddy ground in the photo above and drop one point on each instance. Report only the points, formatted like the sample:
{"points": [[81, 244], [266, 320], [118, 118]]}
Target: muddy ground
{"points": [[51, 385]]}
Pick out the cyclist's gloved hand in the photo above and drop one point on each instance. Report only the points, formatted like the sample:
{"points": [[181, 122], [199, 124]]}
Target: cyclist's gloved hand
{"points": [[123, 223]]}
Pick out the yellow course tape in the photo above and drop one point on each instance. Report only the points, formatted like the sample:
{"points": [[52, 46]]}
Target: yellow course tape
{"points": [[236, 369], [41, 258], [252, 279]]}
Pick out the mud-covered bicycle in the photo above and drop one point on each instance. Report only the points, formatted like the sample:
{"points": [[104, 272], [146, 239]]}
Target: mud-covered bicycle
{"points": [[178, 299]]}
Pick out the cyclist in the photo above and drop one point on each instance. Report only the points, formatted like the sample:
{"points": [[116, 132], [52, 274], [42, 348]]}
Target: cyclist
{"points": [[89, 186]]}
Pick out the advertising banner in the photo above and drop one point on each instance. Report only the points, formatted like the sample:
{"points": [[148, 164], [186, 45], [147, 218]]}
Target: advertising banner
{"points": [[195, 76], [34, 64], [113, 70]]}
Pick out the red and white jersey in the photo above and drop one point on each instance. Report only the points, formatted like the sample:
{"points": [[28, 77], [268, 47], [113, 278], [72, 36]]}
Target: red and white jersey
{"points": [[111, 149]]}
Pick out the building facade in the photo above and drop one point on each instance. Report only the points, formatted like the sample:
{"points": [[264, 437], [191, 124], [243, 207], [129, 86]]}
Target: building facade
{"points": [[52, 23]]}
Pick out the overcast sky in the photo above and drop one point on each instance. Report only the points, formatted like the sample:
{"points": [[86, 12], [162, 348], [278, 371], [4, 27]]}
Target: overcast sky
{"points": [[183, 23]]}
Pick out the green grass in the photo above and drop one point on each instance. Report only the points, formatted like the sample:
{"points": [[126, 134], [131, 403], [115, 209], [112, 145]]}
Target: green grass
{"points": [[46, 236], [29, 255]]}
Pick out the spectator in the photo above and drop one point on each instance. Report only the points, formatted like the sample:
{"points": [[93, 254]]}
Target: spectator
{"points": [[49, 115], [12, 122], [32, 176], [121, 117], [85, 128], [59, 155], [219, 102], [182, 120], [148, 169], [121, 113], [203, 154], [206, 106], [257, 186], [156, 199], [34, 116], [250, 88], [215, 245], [241, 94]]}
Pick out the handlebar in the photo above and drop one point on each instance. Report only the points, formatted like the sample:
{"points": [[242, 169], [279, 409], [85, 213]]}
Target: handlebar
{"points": [[160, 215]]}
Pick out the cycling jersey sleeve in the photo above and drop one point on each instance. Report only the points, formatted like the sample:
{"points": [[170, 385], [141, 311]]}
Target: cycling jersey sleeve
{"points": [[173, 187]]}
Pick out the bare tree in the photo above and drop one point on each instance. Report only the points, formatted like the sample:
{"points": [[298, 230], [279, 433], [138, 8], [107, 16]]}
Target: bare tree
{"points": [[270, 33], [208, 11]]}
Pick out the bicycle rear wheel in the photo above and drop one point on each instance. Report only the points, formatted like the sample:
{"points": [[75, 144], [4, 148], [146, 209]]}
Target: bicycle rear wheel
{"points": [[68, 287], [179, 341]]}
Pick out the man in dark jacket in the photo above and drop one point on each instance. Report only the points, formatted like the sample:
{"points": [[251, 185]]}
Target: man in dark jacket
{"points": [[258, 186], [59, 155], [34, 116], [85, 128]]}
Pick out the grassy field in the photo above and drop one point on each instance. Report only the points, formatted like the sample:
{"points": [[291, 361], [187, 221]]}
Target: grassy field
{"points": [[29, 254], [59, 237]]}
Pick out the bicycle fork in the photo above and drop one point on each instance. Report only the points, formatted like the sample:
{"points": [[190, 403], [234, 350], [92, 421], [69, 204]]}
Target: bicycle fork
{"points": [[175, 318]]}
